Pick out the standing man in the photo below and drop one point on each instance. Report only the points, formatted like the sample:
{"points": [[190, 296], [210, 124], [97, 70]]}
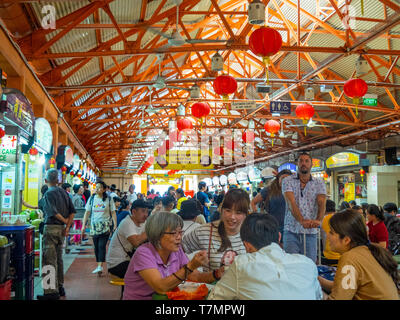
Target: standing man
{"points": [[58, 217], [131, 194], [305, 198]]}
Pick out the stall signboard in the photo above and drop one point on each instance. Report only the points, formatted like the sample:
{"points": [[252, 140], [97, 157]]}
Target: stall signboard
{"points": [[165, 179], [208, 182], [44, 135], [232, 178], [343, 159], [8, 152], [349, 192], [254, 175], [182, 160], [317, 165], [76, 163], [17, 109], [242, 176], [65, 156], [215, 181], [223, 180], [288, 166], [8, 191]]}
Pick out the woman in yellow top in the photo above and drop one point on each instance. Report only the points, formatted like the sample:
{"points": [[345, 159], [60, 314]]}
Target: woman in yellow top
{"points": [[181, 197], [330, 258], [365, 271]]}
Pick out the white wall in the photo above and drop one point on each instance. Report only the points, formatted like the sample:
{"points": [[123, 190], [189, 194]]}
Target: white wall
{"points": [[383, 184]]}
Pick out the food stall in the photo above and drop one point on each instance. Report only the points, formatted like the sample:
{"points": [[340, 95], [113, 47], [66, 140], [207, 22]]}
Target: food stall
{"points": [[318, 172], [346, 181], [35, 160], [18, 125]]}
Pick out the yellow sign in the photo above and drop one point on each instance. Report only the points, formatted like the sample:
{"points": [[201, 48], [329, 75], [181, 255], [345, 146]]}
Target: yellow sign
{"points": [[182, 160], [349, 192], [343, 159], [174, 180]]}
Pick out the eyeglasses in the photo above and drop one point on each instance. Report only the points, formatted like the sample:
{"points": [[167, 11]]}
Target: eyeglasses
{"points": [[176, 233]]}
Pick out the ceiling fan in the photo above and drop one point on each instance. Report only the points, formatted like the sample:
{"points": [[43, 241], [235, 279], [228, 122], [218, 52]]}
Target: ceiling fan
{"points": [[160, 80], [310, 124], [175, 39]]}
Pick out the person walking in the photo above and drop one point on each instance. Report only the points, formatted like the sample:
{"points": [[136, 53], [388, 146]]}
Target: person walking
{"points": [[305, 198], [58, 213], [101, 209]]}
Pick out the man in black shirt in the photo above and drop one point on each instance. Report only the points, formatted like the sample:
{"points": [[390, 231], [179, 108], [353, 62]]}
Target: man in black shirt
{"points": [[58, 213]]}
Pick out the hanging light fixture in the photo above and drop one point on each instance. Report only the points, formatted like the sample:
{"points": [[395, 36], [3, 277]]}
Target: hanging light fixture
{"points": [[195, 92], [309, 94], [362, 66], [217, 62], [256, 12]]}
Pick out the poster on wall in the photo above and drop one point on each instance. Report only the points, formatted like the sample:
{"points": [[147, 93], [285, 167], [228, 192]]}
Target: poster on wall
{"points": [[8, 190], [349, 192]]}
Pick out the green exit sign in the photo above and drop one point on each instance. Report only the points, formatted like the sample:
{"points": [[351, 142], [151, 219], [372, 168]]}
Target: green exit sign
{"points": [[370, 102]]}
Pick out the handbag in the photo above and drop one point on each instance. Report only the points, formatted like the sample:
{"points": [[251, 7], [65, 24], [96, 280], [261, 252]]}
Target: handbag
{"points": [[129, 253]]}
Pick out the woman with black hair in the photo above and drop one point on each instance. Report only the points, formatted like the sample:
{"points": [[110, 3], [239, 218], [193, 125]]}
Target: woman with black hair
{"points": [[366, 271], [101, 210], [377, 231], [221, 239]]}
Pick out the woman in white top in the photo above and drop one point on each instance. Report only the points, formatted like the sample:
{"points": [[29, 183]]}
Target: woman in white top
{"points": [[101, 210], [221, 239]]}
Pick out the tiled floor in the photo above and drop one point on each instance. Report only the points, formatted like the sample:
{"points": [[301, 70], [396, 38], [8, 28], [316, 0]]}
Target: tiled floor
{"points": [[79, 282]]}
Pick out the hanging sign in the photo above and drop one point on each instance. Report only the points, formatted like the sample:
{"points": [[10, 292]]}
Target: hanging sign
{"points": [[182, 160], [281, 107], [243, 105], [215, 181], [17, 109], [349, 192], [76, 163], [343, 159], [8, 151], [44, 135], [65, 156], [223, 180], [242, 176], [232, 178], [317, 165]]}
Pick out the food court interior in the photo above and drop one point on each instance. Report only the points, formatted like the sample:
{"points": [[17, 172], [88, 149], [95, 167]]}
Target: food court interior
{"points": [[175, 92]]}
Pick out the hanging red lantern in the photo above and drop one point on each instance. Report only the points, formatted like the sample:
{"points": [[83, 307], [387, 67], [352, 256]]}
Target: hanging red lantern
{"points": [[79, 175], [71, 173], [362, 172], [326, 176], [305, 112], [355, 89], [33, 151], [272, 127], [63, 169], [52, 162], [200, 110], [184, 124], [248, 136], [225, 85], [219, 151], [265, 42], [2, 133]]}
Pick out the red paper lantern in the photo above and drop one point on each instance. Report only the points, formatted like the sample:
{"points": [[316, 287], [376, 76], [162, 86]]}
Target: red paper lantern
{"points": [[225, 85], [71, 173], [362, 172], [64, 169], [33, 151], [52, 162], [79, 174], [184, 124], [248, 136], [265, 42], [355, 89], [2, 133], [272, 127], [305, 112], [200, 109]]}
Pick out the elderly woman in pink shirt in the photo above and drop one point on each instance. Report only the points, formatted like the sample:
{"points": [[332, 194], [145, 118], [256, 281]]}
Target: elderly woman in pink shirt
{"points": [[160, 265]]}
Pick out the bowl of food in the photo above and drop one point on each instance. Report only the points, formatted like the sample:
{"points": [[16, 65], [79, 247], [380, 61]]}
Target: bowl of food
{"points": [[190, 291]]}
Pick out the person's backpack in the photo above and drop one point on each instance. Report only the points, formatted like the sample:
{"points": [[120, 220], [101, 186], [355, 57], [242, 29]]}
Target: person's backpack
{"points": [[393, 228]]}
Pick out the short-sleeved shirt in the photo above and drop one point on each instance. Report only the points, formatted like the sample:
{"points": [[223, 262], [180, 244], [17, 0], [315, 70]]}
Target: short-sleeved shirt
{"points": [[56, 200], [276, 207], [199, 239], [100, 210], [360, 277], [120, 245], [378, 232], [328, 253], [179, 202], [202, 197], [147, 257], [306, 200]]}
